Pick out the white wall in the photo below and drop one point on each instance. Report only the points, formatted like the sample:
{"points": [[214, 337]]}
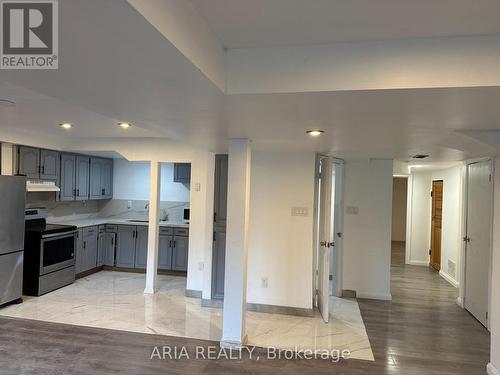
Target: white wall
{"points": [[399, 195], [388, 64], [281, 245], [367, 234], [420, 240], [495, 282], [131, 182]]}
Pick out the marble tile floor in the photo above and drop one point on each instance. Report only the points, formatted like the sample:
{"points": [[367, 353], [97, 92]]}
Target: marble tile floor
{"points": [[115, 300]]}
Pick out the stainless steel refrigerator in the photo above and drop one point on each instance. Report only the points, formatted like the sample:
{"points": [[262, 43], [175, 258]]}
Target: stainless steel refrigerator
{"points": [[12, 205]]}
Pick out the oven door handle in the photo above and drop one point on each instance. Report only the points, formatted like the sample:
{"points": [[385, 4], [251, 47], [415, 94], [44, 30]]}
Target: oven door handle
{"points": [[62, 235]]}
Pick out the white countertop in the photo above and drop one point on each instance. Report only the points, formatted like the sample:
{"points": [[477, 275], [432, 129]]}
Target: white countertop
{"points": [[88, 222]]}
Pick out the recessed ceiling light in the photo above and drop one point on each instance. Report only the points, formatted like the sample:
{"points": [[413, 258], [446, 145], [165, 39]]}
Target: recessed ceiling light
{"points": [[66, 125], [124, 125], [315, 132]]}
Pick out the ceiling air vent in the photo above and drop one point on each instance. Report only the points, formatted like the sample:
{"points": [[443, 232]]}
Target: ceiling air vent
{"points": [[420, 156]]}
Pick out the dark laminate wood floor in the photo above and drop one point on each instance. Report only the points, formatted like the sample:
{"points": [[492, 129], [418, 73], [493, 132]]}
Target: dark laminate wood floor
{"points": [[421, 331]]}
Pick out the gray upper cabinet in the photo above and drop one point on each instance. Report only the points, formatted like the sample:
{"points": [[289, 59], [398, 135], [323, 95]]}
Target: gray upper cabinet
{"points": [[101, 178], [28, 162], [49, 165], [96, 166], [125, 248], [182, 172], [37, 163], [180, 253], [107, 178], [68, 174], [141, 247], [82, 178]]}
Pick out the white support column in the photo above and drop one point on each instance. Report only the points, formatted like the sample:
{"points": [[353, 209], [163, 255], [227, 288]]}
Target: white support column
{"points": [[235, 282], [154, 228]]}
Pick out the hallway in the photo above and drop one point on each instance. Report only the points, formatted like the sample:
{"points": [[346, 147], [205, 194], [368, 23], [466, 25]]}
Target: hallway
{"points": [[421, 331]]}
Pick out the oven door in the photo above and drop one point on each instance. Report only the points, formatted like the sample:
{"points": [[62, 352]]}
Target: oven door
{"points": [[57, 251]]}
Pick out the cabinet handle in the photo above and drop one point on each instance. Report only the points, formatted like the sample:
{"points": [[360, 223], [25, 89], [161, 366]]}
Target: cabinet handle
{"points": [[77, 192], [74, 192], [174, 243], [170, 243], [102, 191], [84, 244], [43, 169]]}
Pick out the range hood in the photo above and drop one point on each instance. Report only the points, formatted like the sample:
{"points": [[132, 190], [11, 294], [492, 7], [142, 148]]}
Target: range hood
{"points": [[35, 186]]}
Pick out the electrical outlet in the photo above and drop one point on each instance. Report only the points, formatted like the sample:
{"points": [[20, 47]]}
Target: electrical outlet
{"points": [[264, 282], [201, 266], [299, 211]]}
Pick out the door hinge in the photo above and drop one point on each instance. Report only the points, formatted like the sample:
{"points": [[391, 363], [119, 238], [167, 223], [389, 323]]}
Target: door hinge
{"points": [[317, 292], [430, 251], [486, 315], [490, 177], [431, 194]]}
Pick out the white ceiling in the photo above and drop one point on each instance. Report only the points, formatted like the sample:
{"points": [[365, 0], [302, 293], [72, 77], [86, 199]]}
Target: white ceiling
{"points": [[115, 66], [262, 23]]}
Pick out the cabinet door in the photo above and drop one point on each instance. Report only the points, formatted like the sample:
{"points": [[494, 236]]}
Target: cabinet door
{"points": [[107, 178], [29, 162], [141, 247], [82, 178], [165, 252], [101, 249], [79, 252], [110, 249], [125, 246], [96, 171], [90, 245], [182, 172], [180, 254], [49, 164], [220, 191], [68, 189]]}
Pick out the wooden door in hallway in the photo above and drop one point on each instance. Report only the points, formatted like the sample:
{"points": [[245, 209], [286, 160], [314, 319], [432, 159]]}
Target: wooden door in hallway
{"points": [[436, 224]]}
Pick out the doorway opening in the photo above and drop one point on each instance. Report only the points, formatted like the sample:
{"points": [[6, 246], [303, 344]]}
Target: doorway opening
{"points": [[436, 224], [399, 219], [327, 273]]}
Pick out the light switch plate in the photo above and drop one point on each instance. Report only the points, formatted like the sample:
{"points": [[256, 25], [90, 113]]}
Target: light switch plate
{"points": [[352, 210], [299, 211]]}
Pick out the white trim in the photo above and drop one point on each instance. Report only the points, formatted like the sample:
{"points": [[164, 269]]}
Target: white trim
{"points": [[460, 302], [448, 278], [419, 263], [492, 370], [383, 297]]}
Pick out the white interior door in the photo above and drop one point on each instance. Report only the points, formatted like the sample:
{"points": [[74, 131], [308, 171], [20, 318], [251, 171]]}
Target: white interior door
{"points": [[478, 239], [325, 235], [337, 194]]}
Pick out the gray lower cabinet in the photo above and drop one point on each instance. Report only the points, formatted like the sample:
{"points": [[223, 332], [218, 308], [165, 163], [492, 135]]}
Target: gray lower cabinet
{"points": [[165, 252], [180, 253], [101, 248], [110, 239], [141, 247], [125, 248], [90, 248], [79, 252]]}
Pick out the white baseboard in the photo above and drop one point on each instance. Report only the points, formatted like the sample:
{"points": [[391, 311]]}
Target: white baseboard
{"points": [[383, 297], [448, 278], [419, 263], [492, 370], [460, 302]]}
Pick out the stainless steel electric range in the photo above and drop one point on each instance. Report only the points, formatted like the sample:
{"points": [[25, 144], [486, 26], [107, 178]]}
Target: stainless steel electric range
{"points": [[49, 254]]}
